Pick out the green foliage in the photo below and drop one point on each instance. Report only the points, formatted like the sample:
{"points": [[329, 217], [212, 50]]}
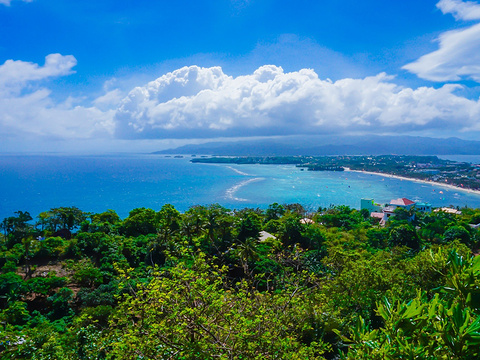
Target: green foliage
{"points": [[44, 285], [109, 216], [9, 266], [423, 328], [15, 314], [11, 287], [342, 216], [188, 314], [60, 304], [87, 275], [140, 221], [201, 285], [61, 218], [104, 294], [292, 228], [50, 248], [404, 235], [457, 233], [15, 228], [250, 226], [274, 212], [377, 238]]}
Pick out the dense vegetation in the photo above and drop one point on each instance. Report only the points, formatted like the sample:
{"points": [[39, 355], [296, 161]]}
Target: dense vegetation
{"points": [[202, 285]]}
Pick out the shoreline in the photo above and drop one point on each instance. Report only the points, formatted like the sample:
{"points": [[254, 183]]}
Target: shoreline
{"points": [[433, 183]]}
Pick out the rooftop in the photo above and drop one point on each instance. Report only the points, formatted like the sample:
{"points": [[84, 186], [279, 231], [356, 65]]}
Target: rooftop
{"points": [[402, 202]]}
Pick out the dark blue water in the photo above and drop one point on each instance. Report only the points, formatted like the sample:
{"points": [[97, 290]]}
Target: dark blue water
{"points": [[122, 183], [94, 183]]}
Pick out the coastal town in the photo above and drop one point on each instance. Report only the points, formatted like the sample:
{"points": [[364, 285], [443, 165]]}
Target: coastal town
{"points": [[382, 213], [422, 168]]}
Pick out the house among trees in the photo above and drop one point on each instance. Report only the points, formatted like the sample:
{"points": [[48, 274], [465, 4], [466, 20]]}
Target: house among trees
{"points": [[423, 207], [263, 235], [402, 203], [449, 210], [384, 213], [370, 205]]}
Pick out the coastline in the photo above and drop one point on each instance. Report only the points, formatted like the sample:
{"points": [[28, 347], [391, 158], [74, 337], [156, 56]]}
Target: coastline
{"points": [[433, 183]]}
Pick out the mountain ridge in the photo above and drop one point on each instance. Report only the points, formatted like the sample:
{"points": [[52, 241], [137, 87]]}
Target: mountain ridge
{"points": [[335, 145]]}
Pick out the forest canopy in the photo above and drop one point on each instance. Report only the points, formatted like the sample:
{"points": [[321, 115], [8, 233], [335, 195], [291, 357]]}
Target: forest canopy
{"points": [[215, 283]]}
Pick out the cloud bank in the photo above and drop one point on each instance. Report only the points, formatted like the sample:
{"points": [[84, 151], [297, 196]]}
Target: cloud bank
{"points": [[458, 55], [205, 102], [27, 110], [196, 102]]}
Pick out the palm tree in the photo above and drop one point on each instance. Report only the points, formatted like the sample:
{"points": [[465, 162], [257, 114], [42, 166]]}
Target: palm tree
{"points": [[247, 251]]}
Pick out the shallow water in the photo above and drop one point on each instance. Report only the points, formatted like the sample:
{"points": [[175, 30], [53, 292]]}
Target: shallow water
{"points": [[97, 183]]}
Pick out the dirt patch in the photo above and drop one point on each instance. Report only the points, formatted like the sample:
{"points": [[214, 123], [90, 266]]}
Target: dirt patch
{"points": [[44, 270]]}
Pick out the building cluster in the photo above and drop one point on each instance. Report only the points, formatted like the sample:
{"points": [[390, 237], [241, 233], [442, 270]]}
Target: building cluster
{"points": [[383, 213]]}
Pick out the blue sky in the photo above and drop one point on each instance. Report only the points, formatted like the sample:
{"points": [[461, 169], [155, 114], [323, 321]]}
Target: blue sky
{"points": [[143, 75]]}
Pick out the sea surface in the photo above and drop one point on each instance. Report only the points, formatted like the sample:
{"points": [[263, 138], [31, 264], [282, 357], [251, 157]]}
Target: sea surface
{"points": [[37, 183]]}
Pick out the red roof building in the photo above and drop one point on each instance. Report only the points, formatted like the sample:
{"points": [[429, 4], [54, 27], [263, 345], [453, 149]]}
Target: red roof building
{"points": [[403, 202]]}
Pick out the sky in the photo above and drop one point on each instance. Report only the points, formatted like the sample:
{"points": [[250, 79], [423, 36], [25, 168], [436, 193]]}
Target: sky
{"points": [[109, 76]]}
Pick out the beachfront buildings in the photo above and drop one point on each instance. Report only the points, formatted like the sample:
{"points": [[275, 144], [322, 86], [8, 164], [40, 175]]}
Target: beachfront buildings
{"points": [[384, 213], [423, 207], [370, 205]]}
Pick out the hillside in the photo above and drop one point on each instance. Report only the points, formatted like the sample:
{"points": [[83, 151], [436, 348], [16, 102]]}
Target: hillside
{"points": [[334, 145], [248, 284]]}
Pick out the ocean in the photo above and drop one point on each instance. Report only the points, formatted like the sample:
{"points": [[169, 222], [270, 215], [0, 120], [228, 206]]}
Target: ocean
{"points": [[36, 183]]}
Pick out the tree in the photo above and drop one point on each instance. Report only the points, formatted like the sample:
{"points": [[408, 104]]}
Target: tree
{"points": [[292, 229], [274, 212], [247, 252], [250, 226], [109, 216], [342, 216], [17, 227], [194, 221], [457, 233], [103, 222], [168, 220], [404, 235], [295, 208], [140, 221], [435, 327], [187, 313], [68, 217]]}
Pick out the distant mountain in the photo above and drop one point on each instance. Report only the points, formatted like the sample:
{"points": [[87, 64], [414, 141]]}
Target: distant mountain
{"points": [[334, 145]]}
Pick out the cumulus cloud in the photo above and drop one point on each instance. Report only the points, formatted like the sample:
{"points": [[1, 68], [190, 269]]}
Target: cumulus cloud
{"points": [[14, 74], [196, 102], [458, 55], [205, 102], [461, 10], [25, 111]]}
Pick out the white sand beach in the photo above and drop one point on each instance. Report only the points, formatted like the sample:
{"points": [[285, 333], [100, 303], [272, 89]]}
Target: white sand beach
{"points": [[433, 183]]}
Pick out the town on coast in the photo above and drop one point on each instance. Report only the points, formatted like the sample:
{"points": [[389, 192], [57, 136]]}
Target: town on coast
{"points": [[427, 169]]}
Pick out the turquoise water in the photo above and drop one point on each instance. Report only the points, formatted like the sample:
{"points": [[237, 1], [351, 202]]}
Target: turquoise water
{"points": [[122, 183]]}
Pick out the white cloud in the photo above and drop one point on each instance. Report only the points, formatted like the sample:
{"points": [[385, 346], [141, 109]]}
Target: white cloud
{"points": [[196, 102], [32, 112], [14, 74], [461, 10], [458, 55], [205, 102], [109, 99]]}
